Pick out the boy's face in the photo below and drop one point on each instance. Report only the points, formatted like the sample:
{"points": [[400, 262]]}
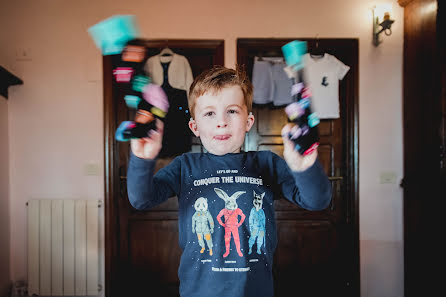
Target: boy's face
{"points": [[221, 120]]}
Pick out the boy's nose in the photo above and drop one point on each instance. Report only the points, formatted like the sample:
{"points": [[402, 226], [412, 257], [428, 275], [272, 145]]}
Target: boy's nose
{"points": [[222, 122]]}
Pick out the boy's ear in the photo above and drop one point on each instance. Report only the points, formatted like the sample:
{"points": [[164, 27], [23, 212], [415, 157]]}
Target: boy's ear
{"points": [[193, 127], [249, 122]]}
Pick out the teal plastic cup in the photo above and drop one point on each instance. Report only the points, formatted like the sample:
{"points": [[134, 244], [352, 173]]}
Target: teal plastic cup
{"points": [[112, 34], [293, 52]]}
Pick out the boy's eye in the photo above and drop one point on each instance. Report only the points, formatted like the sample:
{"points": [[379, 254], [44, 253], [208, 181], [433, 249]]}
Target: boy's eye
{"points": [[233, 111], [209, 113]]}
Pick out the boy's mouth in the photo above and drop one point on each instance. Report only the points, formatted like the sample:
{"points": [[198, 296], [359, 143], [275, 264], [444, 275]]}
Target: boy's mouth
{"points": [[222, 137]]}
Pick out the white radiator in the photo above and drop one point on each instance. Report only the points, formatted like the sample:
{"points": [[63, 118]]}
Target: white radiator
{"points": [[63, 247]]}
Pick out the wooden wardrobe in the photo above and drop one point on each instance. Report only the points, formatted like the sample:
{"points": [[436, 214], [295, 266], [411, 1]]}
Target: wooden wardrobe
{"points": [[318, 252]]}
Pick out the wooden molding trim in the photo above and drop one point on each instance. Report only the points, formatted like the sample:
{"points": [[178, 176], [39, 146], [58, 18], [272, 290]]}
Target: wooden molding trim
{"points": [[404, 3]]}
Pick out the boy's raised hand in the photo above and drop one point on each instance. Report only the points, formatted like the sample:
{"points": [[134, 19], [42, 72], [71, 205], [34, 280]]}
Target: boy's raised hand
{"points": [[295, 161], [149, 147]]}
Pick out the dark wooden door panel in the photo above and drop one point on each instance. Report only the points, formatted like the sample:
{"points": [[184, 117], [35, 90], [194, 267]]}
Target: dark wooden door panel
{"points": [[424, 123], [153, 248], [316, 254], [304, 267], [293, 237]]}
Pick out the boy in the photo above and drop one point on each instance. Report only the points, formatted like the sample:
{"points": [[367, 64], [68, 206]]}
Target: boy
{"points": [[234, 189]]}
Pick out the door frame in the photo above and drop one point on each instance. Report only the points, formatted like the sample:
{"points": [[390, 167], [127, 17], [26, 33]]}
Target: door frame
{"points": [[111, 172]]}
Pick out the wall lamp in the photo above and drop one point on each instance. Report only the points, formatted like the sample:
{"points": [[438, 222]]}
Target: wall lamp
{"points": [[381, 22]]}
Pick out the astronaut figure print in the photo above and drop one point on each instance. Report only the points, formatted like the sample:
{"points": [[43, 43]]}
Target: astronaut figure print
{"points": [[203, 224], [231, 212], [257, 223]]}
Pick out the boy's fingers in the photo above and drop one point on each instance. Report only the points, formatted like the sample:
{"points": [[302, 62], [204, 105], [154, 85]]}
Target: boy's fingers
{"points": [[286, 130], [136, 146], [134, 142], [159, 126], [154, 135], [287, 143]]}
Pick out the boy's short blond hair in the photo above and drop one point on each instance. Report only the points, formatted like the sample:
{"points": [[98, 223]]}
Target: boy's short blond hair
{"points": [[215, 79]]}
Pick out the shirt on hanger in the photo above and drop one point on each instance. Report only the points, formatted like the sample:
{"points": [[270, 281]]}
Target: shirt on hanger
{"points": [[271, 83], [177, 138], [322, 75], [179, 73], [174, 74]]}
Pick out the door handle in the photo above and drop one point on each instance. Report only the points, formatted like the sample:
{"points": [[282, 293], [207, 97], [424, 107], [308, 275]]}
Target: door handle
{"points": [[122, 173], [337, 187], [122, 182]]}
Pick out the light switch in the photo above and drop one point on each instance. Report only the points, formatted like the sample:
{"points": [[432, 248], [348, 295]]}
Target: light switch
{"points": [[92, 169], [387, 177], [23, 54]]}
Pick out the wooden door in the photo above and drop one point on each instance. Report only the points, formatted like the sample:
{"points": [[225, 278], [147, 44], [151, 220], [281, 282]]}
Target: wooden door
{"points": [[317, 253], [424, 106], [142, 251]]}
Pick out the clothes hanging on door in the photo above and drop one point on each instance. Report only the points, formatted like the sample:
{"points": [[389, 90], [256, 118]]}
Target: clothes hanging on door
{"points": [[322, 74], [270, 82], [179, 73], [177, 138]]}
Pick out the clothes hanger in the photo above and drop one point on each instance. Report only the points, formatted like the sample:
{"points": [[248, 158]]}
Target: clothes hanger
{"points": [[260, 57], [166, 51], [272, 56], [317, 51]]}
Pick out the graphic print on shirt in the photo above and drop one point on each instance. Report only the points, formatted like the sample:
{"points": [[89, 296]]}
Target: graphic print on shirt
{"points": [[231, 223], [324, 81], [203, 224], [257, 223]]}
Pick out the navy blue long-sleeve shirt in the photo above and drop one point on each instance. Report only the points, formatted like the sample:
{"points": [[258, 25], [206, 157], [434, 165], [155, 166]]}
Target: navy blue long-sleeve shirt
{"points": [[217, 193]]}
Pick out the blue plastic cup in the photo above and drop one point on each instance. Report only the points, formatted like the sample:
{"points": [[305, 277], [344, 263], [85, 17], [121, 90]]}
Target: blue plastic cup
{"points": [[293, 52]]}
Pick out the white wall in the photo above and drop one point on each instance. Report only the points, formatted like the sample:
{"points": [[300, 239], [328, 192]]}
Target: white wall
{"points": [[5, 218], [5, 275], [56, 117]]}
